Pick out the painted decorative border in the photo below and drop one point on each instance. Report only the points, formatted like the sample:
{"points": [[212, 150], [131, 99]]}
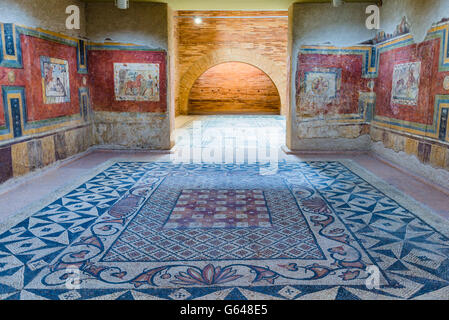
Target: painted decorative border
{"points": [[439, 123], [12, 58], [81, 55], [441, 31], [10, 46], [14, 109], [28, 128], [369, 54], [120, 46], [10, 38], [84, 103], [438, 129]]}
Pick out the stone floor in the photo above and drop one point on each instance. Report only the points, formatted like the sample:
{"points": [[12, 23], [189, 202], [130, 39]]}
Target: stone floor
{"points": [[225, 214], [17, 195]]}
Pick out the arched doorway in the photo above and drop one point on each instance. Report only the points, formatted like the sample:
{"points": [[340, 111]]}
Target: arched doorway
{"points": [[219, 56], [234, 88]]}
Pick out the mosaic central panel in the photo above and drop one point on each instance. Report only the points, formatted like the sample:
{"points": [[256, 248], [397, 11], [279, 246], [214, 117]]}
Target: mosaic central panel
{"points": [[203, 217], [220, 209]]}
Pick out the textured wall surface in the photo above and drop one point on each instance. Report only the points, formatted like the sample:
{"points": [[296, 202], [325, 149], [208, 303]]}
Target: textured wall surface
{"points": [[345, 75], [397, 91], [234, 87], [259, 41], [430, 82], [143, 23], [45, 14], [33, 49], [132, 130], [421, 15]]}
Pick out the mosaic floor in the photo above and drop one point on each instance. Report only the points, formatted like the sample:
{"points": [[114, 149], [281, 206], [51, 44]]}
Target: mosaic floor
{"points": [[173, 230]]}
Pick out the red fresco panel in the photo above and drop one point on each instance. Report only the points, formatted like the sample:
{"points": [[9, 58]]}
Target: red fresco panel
{"points": [[351, 79], [33, 48], [430, 82], [101, 73]]}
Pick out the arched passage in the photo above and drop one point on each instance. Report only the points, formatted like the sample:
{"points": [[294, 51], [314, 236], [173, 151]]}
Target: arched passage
{"points": [[220, 56], [234, 88]]}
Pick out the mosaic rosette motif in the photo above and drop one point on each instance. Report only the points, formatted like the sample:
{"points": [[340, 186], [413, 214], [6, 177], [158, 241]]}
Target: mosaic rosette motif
{"points": [[322, 226]]}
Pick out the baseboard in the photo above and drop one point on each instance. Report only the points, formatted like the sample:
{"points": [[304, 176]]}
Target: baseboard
{"points": [[15, 181], [131, 150], [407, 171], [287, 150]]}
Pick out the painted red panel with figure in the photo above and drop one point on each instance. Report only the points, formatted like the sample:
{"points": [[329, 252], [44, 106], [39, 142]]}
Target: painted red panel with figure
{"points": [[406, 84], [329, 84], [128, 81], [34, 50]]}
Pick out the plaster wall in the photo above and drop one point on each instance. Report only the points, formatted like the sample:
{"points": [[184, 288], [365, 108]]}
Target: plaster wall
{"points": [[146, 27], [143, 23], [36, 131], [323, 25], [45, 14], [414, 136], [420, 14]]}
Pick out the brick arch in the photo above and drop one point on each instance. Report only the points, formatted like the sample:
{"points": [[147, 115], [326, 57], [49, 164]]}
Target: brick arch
{"points": [[270, 68]]}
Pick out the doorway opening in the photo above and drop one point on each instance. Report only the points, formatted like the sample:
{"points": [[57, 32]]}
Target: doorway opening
{"points": [[234, 88]]}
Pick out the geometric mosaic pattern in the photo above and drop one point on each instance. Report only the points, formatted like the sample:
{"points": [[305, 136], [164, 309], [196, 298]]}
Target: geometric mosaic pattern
{"points": [[330, 222], [219, 209]]}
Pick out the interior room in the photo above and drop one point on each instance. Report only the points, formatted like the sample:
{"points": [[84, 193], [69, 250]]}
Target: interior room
{"points": [[216, 150]]}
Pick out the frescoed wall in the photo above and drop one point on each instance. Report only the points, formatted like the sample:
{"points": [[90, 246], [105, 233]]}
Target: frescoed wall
{"points": [[129, 96], [45, 100], [132, 111], [412, 99], [334, 97], [143, 74], [390, 89], [331, 78], [331, 81]]}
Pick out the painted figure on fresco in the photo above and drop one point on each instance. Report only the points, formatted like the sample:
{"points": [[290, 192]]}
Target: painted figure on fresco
{"points": [[405, 88], [55, 80], [136, 81], [319, 88], [322, 84]]}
